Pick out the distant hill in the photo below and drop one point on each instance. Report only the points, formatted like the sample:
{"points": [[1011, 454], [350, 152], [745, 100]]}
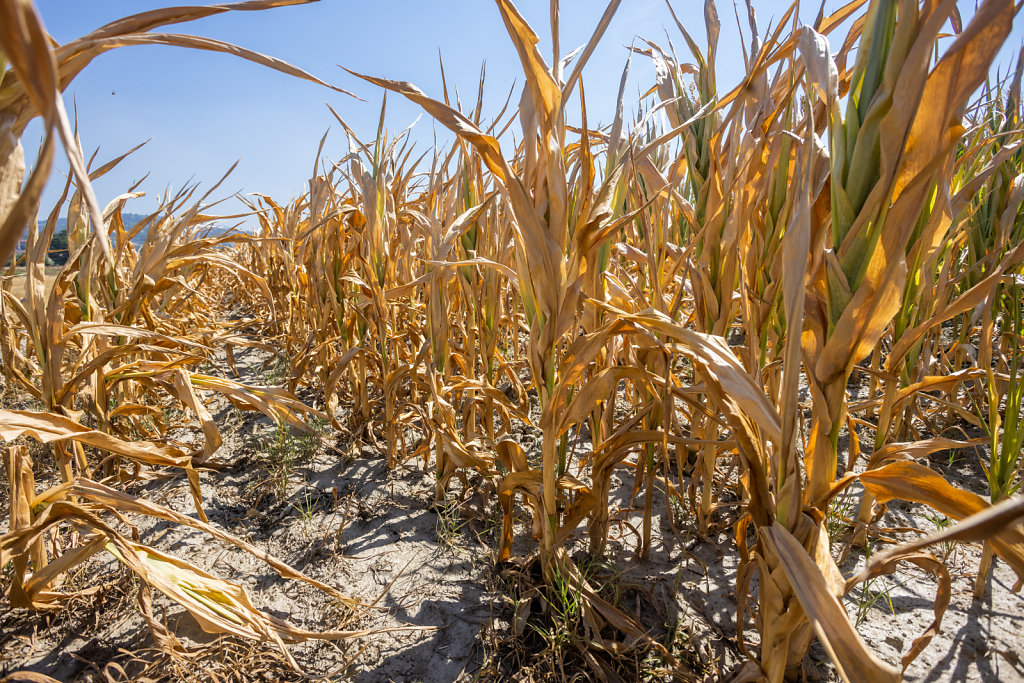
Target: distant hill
{"points": [[130, 221], [58, 247]]}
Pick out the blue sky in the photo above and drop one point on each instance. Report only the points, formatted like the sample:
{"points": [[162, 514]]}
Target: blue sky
{"points": [[203, 111]]}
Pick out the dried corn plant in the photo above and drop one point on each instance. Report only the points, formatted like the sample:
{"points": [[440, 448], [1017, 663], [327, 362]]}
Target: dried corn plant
{"points": [[114, 342], [654, 297]]}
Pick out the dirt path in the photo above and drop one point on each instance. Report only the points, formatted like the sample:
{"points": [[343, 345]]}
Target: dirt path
{"points": [[334, 511]]}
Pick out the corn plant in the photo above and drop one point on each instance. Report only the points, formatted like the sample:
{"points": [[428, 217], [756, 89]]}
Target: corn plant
{"points": [[845, 221]]}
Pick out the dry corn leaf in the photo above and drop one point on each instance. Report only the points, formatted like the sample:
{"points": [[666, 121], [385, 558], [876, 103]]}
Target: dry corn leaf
{"points": [[48, 427], [983, 525], [853, 659], [914, 482]]}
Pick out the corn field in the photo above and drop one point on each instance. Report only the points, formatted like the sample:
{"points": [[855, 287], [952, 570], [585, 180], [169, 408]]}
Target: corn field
{"points": [[756, 317]]}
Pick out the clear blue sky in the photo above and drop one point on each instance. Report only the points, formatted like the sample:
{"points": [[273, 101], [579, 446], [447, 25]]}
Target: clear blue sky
{"points": [[204, 111]]}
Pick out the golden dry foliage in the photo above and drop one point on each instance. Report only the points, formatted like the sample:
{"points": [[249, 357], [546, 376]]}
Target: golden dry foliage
{"points": [[113, 342], [664, 287]]}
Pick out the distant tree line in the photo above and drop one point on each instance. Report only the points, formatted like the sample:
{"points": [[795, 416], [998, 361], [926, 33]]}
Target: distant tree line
{"points": [[58, 253]]}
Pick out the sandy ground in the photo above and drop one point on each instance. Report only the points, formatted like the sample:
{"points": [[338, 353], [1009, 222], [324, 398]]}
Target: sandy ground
{"points": [[18, 281], [346, 520]]}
